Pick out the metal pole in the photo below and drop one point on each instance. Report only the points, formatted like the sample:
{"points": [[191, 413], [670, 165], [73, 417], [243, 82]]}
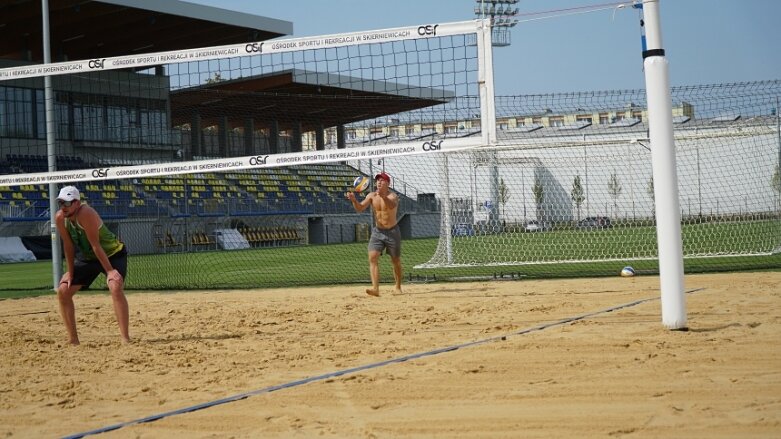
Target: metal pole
{"points": [[699, 183], [446, 210], [631, 185], [585, 179], [778, 132], [668, 212], [494, 219], [473, 185], [523, 191], [372, 186], [187, 240], [488, 114], [50, 148]]}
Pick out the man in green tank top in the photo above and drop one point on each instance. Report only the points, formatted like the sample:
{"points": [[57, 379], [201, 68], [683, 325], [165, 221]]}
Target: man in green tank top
{"points": [[90, 248]]}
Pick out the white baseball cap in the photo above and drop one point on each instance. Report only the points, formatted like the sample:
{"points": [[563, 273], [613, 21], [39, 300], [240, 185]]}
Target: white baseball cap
{"points": [[69, 193]]}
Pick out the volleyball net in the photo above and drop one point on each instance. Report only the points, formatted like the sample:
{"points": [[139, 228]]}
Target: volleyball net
{"points": [[390, 86], [227, 167], [242, 147]]}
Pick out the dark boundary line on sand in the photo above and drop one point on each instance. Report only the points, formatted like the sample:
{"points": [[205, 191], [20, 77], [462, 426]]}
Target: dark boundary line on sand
{"points": [[338, 373]]}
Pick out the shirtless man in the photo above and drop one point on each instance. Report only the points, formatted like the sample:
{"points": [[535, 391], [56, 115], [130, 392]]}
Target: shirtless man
{"points": [[385, 234], [90, 248]]}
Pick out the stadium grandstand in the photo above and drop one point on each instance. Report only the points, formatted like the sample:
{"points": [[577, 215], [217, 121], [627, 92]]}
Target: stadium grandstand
{"points": [[138, 118]]}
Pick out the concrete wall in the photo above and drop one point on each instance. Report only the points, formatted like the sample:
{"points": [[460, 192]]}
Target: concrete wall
{"points": [[335, 229], [141, 234], [423, 225]]}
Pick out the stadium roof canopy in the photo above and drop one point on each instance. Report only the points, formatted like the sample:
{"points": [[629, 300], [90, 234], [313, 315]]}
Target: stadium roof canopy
{"points": [[293, 96], [85, 29]]}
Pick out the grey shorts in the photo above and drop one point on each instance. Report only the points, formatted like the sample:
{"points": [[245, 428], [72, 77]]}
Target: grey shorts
{"points": [[386, 239]]}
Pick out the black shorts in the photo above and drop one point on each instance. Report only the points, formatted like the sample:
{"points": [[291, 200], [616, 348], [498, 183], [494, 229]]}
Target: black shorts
{"points": [[85, 272]]}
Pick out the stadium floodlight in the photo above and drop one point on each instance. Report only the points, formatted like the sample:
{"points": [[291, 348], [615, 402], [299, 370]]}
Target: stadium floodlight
{"points": [[501, 13]]}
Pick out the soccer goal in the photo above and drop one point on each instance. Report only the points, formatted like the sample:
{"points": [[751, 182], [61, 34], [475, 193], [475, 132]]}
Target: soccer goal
{"points": [[570, 181]]}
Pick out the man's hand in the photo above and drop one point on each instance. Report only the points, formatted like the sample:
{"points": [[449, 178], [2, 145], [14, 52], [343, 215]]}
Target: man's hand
{"points": [[66, 279], [350, 196], [113, 275]]}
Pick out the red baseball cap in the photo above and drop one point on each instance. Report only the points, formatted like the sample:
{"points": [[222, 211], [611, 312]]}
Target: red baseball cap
{"points": [[382, 176]]}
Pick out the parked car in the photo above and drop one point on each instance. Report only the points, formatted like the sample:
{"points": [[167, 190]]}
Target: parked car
{"points": [[536, 226], [463, 229], [595, 222]]}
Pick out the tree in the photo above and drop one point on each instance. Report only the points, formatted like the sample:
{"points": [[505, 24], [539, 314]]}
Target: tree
{"points": [[504, 195], [577, 194], [217, 78], [614, 189], [539, 194], [650, 188], [652, 194]]}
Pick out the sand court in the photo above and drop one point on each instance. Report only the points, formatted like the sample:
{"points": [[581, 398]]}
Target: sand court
{"points": [[611, 374]]}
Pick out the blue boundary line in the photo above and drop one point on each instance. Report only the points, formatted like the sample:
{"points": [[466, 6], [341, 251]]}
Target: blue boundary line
{"points": [[338, 373]]}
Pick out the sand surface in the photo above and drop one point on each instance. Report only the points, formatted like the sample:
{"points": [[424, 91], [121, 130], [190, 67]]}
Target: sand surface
{"points": [[611, 374]]}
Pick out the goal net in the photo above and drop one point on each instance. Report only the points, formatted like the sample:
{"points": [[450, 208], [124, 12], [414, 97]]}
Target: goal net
{"points": [[571, 181]]}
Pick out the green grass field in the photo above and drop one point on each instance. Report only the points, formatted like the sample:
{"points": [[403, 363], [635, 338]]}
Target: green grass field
{"points": [[347, 263]]}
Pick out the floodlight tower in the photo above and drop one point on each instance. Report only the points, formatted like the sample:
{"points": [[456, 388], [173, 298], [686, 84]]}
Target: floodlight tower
{"points": [[502, 14]]}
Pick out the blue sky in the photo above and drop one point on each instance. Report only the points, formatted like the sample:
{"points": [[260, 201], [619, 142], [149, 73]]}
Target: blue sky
{"points": [[706, 41]]}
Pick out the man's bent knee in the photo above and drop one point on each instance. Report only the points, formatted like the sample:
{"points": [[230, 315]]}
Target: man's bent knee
{"points": [[65, 292], [117, 293]]}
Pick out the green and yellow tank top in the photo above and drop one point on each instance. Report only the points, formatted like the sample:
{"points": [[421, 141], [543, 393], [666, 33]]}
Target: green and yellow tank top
{"points": [[108, 240]]}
